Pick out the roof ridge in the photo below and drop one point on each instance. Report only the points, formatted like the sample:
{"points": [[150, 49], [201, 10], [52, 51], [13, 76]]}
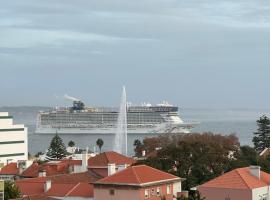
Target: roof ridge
{"points": [[106, 157], [136, 175], [72, 189], [242, 177]]}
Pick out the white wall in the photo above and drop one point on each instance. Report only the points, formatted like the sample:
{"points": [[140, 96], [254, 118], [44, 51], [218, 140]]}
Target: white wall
{"points": [[258, 193], [10, 136], [177, 187]]}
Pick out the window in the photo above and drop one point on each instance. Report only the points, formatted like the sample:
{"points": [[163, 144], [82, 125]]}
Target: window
{"points": [[112, 192], [158, 191], [168, 189], [153, 191], [146, 194]]}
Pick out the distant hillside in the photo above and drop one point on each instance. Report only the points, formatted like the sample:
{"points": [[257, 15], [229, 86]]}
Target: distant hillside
{"points": [[24, 114]]}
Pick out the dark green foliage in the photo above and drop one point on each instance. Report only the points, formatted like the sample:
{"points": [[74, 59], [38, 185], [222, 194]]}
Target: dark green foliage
{"points": [[11, 191], [138, 148], [99, 143], [155, 162], [193, 195], [197, 157], [57, 149], [71, 143], [261, 139], [246, 156]]}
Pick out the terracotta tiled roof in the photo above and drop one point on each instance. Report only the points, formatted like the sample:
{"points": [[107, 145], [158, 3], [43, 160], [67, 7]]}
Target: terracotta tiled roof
{"points": [[62, 185], [71, 190], [10, 169], [103, 172], [51, 168], [36, 197], [103, 159], [82, 190], [138, 175], [240, 178]]}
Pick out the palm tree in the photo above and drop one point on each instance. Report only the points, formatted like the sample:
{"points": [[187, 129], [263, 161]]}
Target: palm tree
{"points": [[99, 144]]}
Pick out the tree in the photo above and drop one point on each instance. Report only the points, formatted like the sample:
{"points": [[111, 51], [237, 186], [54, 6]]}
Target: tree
{"points": [[261, 139], [99, 144], [194, 195], [57, 149], [138, 148], [11, 191], [195, 157], [71, 143]]}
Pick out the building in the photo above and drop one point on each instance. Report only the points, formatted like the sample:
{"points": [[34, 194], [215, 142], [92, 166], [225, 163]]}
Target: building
{"points": [[13, 140], [75, 186], [138, 183], [99, 164], [249, 183], [13, 170]]}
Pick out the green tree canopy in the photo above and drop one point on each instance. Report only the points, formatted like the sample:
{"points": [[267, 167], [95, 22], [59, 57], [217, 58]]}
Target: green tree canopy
{"points": [[99, 143], [11, 191], [196, 157], [71, 143], [138, 147], [261, 139], [57, 149]]}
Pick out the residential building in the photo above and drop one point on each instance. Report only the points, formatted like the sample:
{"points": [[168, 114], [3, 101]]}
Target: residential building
{"points": [[13, 140], [75, 186], [138, 183], [249, 183], [99, 163], [13, 170]]}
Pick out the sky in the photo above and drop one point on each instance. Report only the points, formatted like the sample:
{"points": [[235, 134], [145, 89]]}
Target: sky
{"points": [[194, 54]]}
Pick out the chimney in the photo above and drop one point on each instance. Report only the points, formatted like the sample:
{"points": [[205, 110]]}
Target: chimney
{"points": [[47, 185], [143, 153], [85, 161], [122, 167], [111, 169], [255, 171], [42, 173]]}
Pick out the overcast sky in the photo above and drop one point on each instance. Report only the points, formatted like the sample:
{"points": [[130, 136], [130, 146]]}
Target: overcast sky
{"points": [[198, 54]]}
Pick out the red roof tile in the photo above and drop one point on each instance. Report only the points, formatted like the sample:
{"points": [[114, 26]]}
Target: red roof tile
{"points": [[60, 189], [37, 197], [103, 159], [82, 190], [138, 175], [51, 168], [240, 178], [62, 185], [71, 190], [10, 169], [103, 172]]}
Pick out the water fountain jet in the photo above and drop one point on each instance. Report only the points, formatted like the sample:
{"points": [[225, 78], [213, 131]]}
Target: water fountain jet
{"points": [[120, 141]]}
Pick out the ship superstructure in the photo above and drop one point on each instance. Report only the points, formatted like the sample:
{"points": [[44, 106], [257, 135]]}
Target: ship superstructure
{"points": [[79, 119]]}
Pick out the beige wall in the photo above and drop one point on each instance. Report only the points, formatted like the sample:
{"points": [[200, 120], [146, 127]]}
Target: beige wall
{"points": [[129, 193], [120, 194], [222, 194]]}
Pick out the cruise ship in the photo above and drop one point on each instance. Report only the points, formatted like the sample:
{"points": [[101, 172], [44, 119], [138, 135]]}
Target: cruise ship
{"points": [[143, 119]]}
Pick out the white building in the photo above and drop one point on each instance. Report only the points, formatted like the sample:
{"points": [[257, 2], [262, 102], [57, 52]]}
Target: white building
{"points": [[13, 140]]}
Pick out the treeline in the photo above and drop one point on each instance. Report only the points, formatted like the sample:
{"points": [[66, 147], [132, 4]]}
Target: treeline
{"points": [[199, 157]]}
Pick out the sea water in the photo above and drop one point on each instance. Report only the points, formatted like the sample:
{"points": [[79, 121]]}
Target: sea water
{"points": [[242, 122]]}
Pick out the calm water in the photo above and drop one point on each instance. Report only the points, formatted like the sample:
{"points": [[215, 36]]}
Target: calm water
{"points": [[239, 121]]}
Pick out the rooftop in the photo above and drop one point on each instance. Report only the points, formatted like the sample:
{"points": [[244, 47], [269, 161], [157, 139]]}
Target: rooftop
{"points": [[138, 176], [103, 159], [240, 178]]}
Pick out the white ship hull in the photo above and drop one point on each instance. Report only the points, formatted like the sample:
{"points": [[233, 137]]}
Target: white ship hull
{"points": [[181, 128]]}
